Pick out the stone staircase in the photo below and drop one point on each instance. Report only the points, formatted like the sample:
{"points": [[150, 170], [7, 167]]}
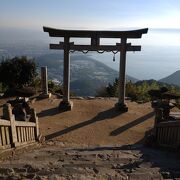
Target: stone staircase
{"points": [[126, 162]]}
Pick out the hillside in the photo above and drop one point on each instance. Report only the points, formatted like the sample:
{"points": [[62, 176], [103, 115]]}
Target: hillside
{"points": [[172, 79], [87, 74]]}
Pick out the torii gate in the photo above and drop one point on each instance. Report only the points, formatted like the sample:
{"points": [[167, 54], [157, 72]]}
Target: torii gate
{"points": [[95, 36]]}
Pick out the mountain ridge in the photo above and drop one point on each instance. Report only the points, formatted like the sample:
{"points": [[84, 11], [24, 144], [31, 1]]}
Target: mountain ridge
{"points": [[87, 74], [173, 79]]}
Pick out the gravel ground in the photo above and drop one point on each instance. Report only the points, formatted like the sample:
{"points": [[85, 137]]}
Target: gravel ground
{"points": [[52, 161], [93, 141]]}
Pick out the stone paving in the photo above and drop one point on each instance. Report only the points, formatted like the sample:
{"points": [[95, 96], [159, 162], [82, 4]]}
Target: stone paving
{"points": [[125, 162]]}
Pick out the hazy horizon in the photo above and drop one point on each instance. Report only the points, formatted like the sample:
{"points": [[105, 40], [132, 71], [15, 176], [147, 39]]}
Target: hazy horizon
{"points": [[21, 30], [157, 59]]}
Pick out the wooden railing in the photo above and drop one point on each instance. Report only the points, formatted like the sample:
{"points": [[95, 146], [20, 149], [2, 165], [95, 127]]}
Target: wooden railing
{"points": [[168, 133], [16, 133], [5, 134]]}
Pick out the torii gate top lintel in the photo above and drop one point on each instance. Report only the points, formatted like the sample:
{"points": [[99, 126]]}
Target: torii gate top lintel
{"points": [[92, 33]]}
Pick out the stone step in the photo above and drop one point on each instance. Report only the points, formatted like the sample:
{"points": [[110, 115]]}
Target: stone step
{"points": [[95, 163], [145, 176]]}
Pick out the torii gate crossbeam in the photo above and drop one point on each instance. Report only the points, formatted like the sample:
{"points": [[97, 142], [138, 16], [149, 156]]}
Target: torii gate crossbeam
{"points": [[95, 36]]}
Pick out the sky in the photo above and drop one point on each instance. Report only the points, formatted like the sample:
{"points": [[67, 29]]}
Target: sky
{"points": [[86, 14], [96, 15], [160, 55]]}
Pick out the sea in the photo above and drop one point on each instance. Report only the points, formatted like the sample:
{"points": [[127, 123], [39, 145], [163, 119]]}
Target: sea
{"points": [[158, 58]]}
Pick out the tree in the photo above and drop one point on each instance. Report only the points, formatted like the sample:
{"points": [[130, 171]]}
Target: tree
{"points": [[17, 72], [112, 90], [131, 90], [55, 87], [137, 91]]}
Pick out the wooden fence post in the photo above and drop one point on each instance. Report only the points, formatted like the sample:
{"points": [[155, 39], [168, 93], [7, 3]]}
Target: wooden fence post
{"points": [[13, 131], [35, 119], [7, 113]]}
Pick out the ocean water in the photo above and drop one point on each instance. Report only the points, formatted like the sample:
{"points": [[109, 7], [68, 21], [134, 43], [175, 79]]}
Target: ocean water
{"points": [[158, 58], [151, 63]]}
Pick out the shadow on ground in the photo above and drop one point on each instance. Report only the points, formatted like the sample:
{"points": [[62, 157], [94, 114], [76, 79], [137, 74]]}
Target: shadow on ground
{"points": [[131, 124], [49, 112], [108, 114]]}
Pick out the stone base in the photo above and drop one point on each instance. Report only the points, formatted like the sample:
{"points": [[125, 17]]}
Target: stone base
{"points": [[45, 95], [66, 106], [121, 107]]}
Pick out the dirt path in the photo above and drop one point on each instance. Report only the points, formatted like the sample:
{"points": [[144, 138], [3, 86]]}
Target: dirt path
{"points": [[93, 141], [94, 122]]}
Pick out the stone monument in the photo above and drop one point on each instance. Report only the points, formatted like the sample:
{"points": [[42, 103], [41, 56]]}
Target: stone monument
{"points": [[44, 83]]}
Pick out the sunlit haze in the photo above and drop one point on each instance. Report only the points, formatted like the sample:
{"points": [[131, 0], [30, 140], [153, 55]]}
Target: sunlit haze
{"points": [[102, 14], [160, 47]]}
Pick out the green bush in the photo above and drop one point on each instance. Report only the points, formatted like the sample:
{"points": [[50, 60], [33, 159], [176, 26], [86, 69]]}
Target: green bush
{"points": [[17, 72], [137, 91], [54, 87]]}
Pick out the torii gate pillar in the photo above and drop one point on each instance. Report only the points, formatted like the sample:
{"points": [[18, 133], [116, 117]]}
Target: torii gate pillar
{"points": [[121, 105], [66, 104]]}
